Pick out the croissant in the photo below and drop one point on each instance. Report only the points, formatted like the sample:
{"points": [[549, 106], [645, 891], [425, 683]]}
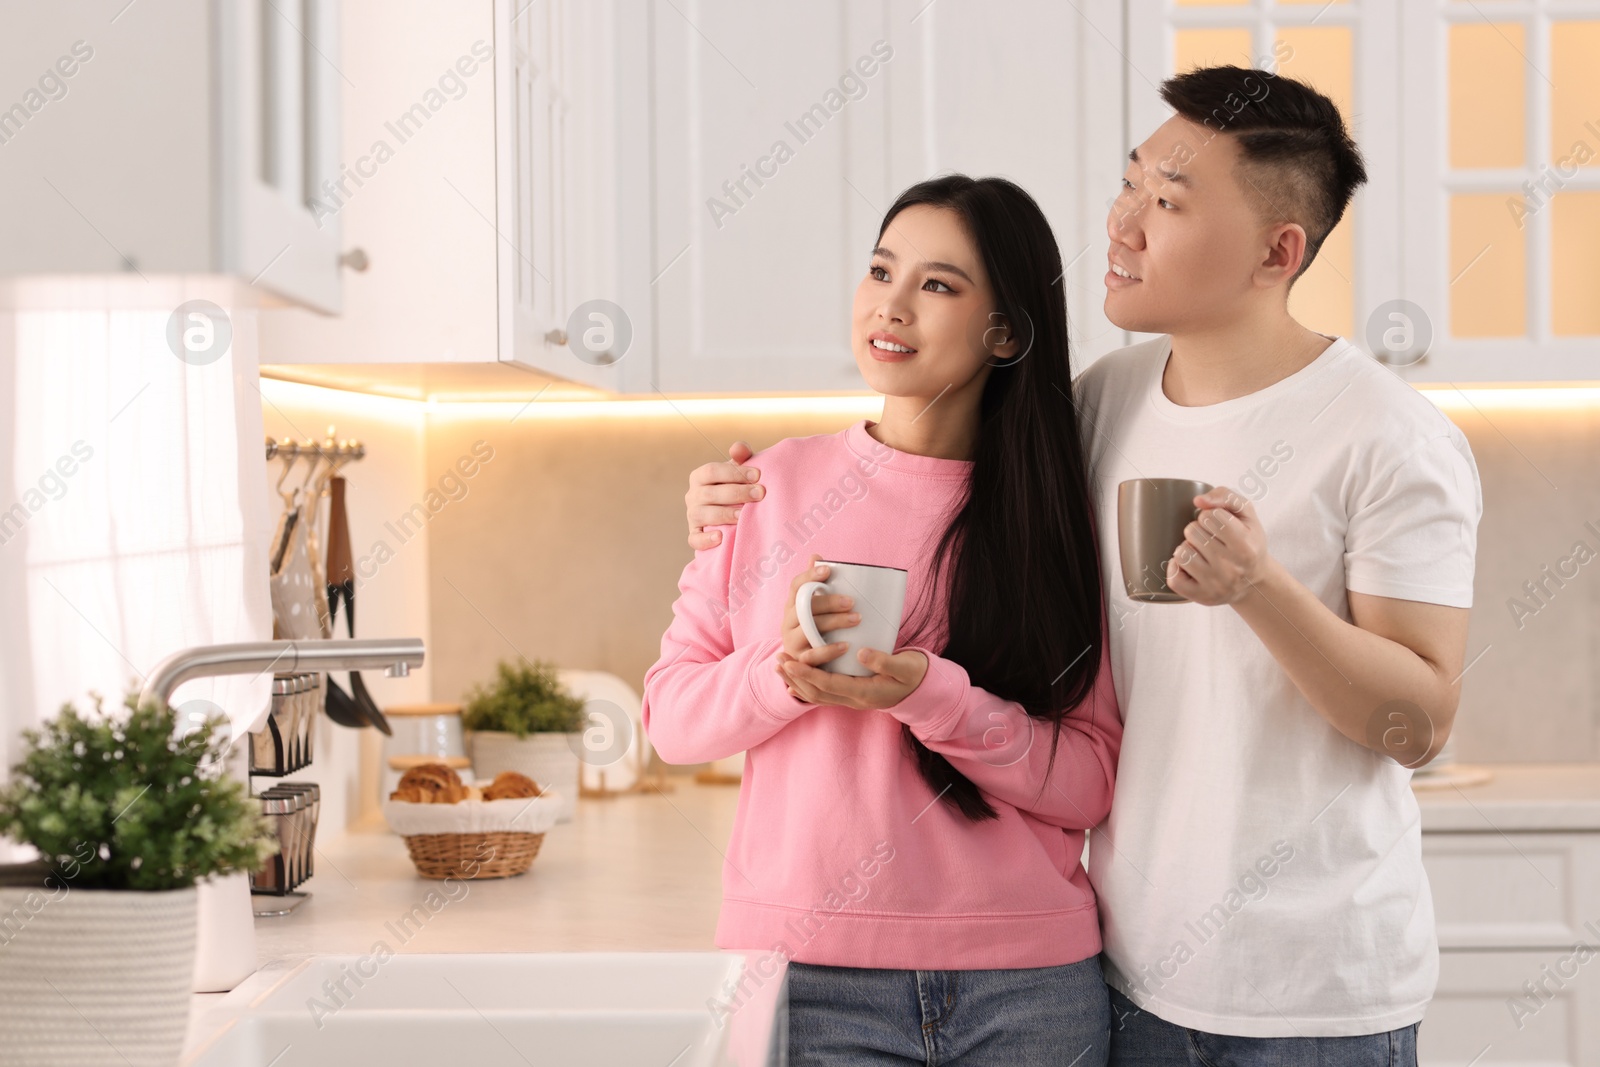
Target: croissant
{"points": [[430, 783], [509, 785]]}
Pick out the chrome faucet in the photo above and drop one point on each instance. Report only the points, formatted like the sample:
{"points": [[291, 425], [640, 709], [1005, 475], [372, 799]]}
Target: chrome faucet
{"points": [[396, 655]]}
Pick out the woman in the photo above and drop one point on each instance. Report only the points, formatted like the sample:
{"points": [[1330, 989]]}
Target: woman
{"points": [[910, 841]]}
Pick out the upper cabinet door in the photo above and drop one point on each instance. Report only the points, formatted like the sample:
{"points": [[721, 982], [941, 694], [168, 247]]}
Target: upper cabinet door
{"points": [[94, 186], [278, 130], [571, 161], [484, 192], [782, 134], [173, 137], [1501, 188], [771, 149], [416, 195]]}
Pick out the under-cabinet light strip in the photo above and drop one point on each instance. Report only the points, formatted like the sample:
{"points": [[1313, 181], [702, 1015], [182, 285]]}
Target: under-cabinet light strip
{"points": [[1450, 398]]}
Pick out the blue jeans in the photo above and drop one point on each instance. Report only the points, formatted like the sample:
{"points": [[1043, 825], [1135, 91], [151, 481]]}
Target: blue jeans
{"points": [[1139, 1039], [1031, 1015]]}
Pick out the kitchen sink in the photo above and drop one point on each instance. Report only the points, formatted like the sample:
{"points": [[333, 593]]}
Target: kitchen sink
{"points": [[661, 1009]]}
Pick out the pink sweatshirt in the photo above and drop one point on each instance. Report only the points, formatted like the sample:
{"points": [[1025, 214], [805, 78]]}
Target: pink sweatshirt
{"points": [[840, 853]]}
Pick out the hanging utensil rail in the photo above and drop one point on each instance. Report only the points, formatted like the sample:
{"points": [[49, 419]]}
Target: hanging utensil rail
{"points": [[288, 448]]}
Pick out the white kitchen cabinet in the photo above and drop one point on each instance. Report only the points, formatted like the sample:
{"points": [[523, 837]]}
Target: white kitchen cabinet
{"points": [[1518, 916], [172, 137], [716, 175], [481, 140], [1499, 222], [1514, 891], [781, 135], [1484, 1014]]}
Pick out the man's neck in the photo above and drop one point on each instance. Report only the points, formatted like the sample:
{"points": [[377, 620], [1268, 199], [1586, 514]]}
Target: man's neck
{"points": [[1208, 367]]}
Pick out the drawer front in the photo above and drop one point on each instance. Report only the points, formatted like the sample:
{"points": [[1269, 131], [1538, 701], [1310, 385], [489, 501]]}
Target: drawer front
{"points": [[1484, 1014], [1515, 890]]}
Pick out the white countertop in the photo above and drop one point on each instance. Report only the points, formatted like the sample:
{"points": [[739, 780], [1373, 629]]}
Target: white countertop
{"points": [[1519, 797], [641, 871], [644, 871]]}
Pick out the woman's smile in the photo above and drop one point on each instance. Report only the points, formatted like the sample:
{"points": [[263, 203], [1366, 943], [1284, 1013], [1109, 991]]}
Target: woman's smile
{"points": [[888, 348]]}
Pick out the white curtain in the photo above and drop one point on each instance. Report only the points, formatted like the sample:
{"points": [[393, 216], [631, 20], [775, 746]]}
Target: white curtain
{"points": [[132, 510]]}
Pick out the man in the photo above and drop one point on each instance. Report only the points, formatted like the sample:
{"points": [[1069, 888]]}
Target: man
{"points": [[1260, 875]]}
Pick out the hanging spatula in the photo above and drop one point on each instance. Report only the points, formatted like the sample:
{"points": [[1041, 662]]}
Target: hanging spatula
{"points": [[342, 583]]}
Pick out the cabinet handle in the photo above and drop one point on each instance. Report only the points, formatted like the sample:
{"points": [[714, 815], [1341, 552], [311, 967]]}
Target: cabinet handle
{"points": [[556, 337], [356, 259]]}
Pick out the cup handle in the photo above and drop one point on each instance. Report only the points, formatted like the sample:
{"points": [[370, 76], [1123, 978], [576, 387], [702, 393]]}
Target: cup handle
{"points": [[802, 610]]}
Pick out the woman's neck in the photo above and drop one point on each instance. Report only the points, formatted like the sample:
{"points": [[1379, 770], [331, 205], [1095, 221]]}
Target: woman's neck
{"points": [[945, 427]]}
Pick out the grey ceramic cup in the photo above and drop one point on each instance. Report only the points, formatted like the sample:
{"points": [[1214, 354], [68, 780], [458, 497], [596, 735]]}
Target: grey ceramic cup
{"points": [[1151, 515]]}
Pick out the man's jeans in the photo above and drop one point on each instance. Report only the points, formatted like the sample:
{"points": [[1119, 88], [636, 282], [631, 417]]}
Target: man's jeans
{"points": [[1139, 1039]]}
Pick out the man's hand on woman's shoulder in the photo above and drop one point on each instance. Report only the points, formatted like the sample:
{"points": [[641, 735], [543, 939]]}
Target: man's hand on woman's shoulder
{"points": [[716, 493]]}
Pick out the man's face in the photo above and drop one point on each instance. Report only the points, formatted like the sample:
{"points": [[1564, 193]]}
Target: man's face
{"points": [[1183, 227]]}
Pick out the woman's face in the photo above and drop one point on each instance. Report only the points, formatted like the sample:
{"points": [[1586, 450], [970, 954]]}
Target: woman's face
{"points": [[924, 319]]}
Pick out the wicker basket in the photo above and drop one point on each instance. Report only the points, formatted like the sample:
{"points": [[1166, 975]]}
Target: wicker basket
{"points": [[474, 838], [500, 854]]}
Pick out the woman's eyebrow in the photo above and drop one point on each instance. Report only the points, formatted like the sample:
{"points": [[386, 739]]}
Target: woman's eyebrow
{"points": [[951, 268]]}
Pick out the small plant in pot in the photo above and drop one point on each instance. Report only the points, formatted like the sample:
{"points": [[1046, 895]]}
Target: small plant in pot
{"points": [[97, 937], [526, 721]]}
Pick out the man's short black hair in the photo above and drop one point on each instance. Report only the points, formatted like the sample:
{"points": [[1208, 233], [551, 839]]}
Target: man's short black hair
{"points": [[1298, 162]]}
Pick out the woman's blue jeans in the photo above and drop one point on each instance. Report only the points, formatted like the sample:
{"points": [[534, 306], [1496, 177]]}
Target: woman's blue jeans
{"points": [[1031, 1015]]}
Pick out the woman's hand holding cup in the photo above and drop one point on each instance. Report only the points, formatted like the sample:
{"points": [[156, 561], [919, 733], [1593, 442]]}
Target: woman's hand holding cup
{"points": [[893, 677], [832, 611]]}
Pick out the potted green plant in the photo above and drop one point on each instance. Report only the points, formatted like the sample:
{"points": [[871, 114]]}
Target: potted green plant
{"points": [[97, 937], [527, 721]]}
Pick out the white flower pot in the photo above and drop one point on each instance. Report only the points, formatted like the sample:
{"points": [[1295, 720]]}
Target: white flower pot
{"points": [[549, 759], [95, 976]]}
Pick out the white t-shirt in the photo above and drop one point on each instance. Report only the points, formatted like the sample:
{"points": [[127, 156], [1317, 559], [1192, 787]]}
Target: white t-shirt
{"points": [[1260, 874]]}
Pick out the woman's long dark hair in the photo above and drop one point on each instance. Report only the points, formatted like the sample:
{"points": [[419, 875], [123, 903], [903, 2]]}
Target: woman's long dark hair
{"points": [[1018, 558]]}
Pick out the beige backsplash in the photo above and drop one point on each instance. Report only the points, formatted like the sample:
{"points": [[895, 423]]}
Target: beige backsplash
{"points": [[569, 543], [567, 546]]}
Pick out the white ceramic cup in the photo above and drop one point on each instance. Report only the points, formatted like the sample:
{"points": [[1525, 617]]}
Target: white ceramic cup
{"points": [[880, 597]]}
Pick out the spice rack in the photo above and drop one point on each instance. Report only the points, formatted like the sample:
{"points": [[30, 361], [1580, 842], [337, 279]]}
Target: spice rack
{"points": [[283, 746], [293, 808]]}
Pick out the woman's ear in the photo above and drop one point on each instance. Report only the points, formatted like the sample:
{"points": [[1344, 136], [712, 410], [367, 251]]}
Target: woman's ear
{"points": [[1000, 339]]}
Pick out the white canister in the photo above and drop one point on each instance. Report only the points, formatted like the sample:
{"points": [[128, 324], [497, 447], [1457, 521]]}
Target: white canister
{"points": [[551, 759], [225, 948], [424, 730]]}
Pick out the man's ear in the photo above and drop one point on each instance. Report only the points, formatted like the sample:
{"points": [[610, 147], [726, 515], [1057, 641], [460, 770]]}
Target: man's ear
{"points": [[1286, 250]]}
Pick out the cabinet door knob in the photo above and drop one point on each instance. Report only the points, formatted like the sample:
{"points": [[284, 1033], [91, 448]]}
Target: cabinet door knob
{"points": [[356, 259], [556, 337]]}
